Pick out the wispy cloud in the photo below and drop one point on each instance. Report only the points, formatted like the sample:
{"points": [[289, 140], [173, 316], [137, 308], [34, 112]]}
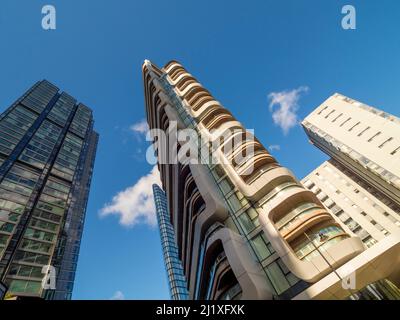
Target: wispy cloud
{"points": [[274, 147], [285, 114], [135, 204], [118, 295], [140, 127]]}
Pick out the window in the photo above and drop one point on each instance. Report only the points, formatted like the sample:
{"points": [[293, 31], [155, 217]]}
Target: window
{"points": [[6, 227], [385, 142], [344, 122], [277, 277], [322, 110], [234, 202], [246, 223], [374, 136], [226, 186], [362, 132], [327, 116], [395, 151], [260, 247], [308, 184], [354, 126], [337, 117], [25, 286], [369, 241]]}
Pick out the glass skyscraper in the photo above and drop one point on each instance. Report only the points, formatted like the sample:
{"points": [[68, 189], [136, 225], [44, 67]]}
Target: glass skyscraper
{"points": [[47, 152], [176, 279]]}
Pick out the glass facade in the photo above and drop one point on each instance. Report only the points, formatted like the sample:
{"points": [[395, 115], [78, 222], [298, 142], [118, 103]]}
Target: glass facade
{"points": [[47, 151], [379, 290], [3, 290], [176, 279]]}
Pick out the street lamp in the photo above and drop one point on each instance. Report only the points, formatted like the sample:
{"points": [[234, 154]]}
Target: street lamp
{"points": [[322, 238]]}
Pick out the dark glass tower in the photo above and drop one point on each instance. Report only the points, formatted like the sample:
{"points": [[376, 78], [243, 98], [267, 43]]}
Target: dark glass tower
{"points": [[176, 279], [47, 152]]}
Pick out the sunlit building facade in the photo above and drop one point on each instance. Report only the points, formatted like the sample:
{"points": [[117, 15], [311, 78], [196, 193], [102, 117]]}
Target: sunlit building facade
{"points": [[240, 233], [176, 278], [362, 138], [363, 209], [47, 151], [360, 184]]}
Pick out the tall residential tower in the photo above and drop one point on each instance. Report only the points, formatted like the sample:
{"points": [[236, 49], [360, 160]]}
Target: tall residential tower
{"points": [[245, 228], [360, 137], [47, 152], [360, 184]]}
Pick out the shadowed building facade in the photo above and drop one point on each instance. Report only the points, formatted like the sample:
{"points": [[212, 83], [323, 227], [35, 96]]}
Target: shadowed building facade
{"points": [[47, 152], [245, 234], [176, 278]]}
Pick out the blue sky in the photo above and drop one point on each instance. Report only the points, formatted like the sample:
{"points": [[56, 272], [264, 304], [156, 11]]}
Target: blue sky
{"points": [[242, 51]]}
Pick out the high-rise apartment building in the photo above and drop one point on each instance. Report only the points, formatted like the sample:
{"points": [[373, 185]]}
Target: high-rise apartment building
{"points": [[366, 211], [363, 175], [360, 137], [47, 152], [360, 184], [247, 228], [176, 278]]}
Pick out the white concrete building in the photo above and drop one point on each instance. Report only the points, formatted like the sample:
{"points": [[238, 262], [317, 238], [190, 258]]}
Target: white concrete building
{"points": [[363, 209], [363, 139], [360, 185]]}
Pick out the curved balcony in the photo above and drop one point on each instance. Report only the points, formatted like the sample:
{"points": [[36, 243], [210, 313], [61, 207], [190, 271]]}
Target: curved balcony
{"points": [[193, 91], [226, 256], [202, 107], [260, 164], [319, 240], [202, 101], [176, 71], [212, 114], [198, 96], [188, 87], [168, 66], [184, 82], [214, 211], [218, 120], [294, 218], [302, 218], [195, 209]]}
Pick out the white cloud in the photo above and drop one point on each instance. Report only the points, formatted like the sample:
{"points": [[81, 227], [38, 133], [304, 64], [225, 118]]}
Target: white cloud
{"points": [[118, 295], [273, 147], [285, 115], [140, 127], [135, 204]]}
